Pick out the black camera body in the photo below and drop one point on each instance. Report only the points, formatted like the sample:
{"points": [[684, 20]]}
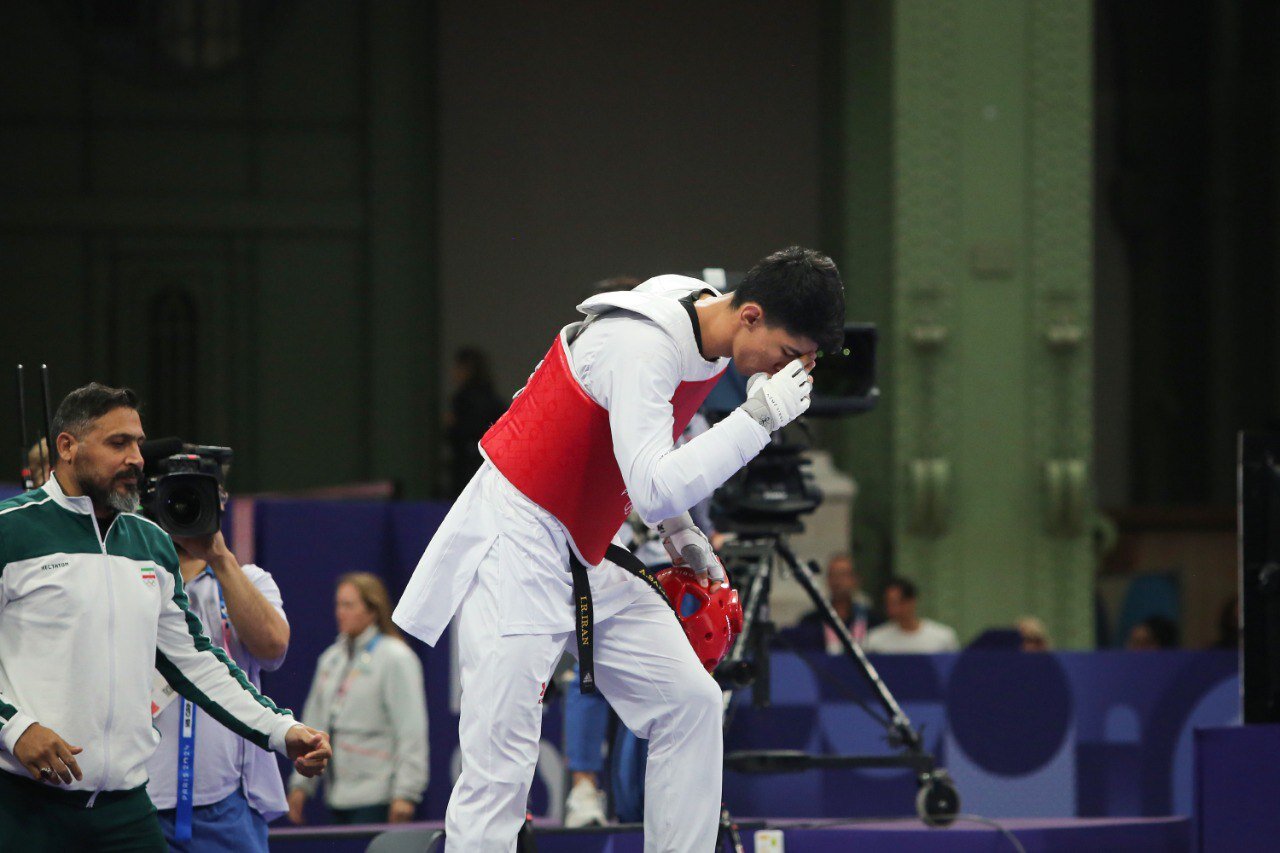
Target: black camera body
{"points": [[183, 491], [769, 495], [772, 491]]}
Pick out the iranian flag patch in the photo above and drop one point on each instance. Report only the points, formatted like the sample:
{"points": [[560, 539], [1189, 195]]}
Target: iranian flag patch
{"points": [[149, 575]]}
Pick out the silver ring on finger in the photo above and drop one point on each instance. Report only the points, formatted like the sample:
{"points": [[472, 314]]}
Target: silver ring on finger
{"points": [[46, 771]]}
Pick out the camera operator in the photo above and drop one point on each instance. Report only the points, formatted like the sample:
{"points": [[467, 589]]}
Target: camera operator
{"points": [[236, 790], [91, 602]]}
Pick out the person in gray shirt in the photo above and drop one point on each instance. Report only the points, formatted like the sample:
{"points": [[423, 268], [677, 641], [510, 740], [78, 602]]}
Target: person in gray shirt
{"points": [[368, 687]]}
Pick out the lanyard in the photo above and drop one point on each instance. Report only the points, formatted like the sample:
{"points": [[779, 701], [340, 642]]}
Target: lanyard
{"points": [[222, 611], [349, 673], [187, 734], [186, 770], [340, 694]]}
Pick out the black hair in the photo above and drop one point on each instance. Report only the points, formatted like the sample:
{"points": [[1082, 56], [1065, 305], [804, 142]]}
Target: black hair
{"points": [[1163, 630], [79, 409], [474, 361], [799, 290], [905, 588]]}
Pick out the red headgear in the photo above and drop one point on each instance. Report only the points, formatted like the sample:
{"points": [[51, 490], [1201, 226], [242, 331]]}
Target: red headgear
{"points": [[710, 619]]}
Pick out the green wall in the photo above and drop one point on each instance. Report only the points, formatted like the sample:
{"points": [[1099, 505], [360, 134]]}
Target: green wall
{"points": [[967, 236], [248, 241]]}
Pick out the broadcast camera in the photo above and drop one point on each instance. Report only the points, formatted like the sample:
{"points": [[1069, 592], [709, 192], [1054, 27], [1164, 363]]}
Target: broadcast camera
{"points": [[184, 487], [770, 494]]}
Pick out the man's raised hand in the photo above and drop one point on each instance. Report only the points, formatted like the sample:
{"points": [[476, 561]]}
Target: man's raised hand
{"points": [[777, 400]]}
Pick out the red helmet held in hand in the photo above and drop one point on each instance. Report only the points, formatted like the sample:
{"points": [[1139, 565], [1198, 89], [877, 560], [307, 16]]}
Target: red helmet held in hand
{"points": [[710, 619]]}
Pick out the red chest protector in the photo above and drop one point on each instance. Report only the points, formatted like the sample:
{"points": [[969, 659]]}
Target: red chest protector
{"points": [[555, 446]]}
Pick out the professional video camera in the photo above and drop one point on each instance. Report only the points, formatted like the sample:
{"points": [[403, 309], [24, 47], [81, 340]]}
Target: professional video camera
{"points": [[184, 486], [777, 487]]}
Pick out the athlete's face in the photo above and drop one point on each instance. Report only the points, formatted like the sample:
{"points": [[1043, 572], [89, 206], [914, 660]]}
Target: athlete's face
{"points": [[761, 348]]}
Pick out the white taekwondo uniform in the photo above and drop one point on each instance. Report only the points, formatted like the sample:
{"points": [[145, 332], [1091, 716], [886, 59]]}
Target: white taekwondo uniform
{"points": [[501, 563]]}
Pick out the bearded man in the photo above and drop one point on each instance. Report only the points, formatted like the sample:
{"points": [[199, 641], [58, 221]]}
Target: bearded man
{"points": [[91, 605]]}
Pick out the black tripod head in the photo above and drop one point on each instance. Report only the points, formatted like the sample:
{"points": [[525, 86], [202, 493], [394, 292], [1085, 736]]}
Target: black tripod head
{"points": [[768, 496]]}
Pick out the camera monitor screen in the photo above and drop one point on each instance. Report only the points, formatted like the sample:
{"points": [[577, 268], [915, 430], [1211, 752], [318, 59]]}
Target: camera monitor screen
{"points": [[844, 382]]}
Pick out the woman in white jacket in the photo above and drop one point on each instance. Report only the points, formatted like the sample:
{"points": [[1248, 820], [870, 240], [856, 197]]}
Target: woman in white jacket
{"points": [[368, 688]]}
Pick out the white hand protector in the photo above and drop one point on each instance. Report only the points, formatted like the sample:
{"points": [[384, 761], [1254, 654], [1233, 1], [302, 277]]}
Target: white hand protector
{"points": [[689, 546], [777, 400]]}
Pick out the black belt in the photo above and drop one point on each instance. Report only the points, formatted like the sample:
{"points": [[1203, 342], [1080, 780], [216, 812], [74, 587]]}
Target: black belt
{"points": [[582, 606]]}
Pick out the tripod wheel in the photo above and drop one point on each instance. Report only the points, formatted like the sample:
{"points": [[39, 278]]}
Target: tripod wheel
{"points": [[937, 801]]}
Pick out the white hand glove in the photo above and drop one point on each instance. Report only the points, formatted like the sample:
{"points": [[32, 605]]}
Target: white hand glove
{"points": [[777, 400], [689, 546]]}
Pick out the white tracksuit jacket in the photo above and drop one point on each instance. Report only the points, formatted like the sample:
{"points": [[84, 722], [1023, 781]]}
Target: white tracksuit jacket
{"points": [[87, 616]]}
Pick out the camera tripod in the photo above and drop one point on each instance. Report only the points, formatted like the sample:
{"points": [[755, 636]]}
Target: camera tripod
{"points": [[761, 551]]}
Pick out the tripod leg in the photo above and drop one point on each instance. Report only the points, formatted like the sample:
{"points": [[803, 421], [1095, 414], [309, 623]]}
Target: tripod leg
{"points": [[728, 836], [741, 665], [901, 724], [754, 600]]}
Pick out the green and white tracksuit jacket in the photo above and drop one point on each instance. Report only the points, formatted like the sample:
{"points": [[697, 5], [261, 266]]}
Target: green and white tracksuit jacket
{"points": [[87, 616]]}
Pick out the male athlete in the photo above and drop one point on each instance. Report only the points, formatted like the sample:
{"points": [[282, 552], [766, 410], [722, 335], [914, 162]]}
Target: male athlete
{"points": [[591, 436]]}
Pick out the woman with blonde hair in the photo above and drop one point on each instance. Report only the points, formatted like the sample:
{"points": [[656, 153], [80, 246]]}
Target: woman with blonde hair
{"points": [[368, 690]]}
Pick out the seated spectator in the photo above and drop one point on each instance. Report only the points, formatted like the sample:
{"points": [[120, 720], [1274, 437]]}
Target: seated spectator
{"points": [[851, 604], [1153, 634], [906, 632], [1035, 637], [368, 687]]}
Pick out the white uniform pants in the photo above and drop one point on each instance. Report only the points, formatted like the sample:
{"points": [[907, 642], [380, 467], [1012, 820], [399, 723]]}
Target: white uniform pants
{"points": [[644, 666]]}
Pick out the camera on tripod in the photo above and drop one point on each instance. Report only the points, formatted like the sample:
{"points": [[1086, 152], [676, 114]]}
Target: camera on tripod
{"points": [[768, 496], [184, 491]]}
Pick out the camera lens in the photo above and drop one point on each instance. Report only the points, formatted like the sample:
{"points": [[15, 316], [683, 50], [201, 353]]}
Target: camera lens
{"points": [[183, 505], [186, 503]]}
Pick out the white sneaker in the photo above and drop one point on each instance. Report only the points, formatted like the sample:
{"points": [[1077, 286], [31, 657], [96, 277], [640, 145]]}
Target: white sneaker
{"points": [[584, 807]]}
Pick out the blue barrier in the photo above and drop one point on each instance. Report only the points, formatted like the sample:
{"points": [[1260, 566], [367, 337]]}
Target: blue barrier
{"points": [[1237, 787], [1088, 734]]}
